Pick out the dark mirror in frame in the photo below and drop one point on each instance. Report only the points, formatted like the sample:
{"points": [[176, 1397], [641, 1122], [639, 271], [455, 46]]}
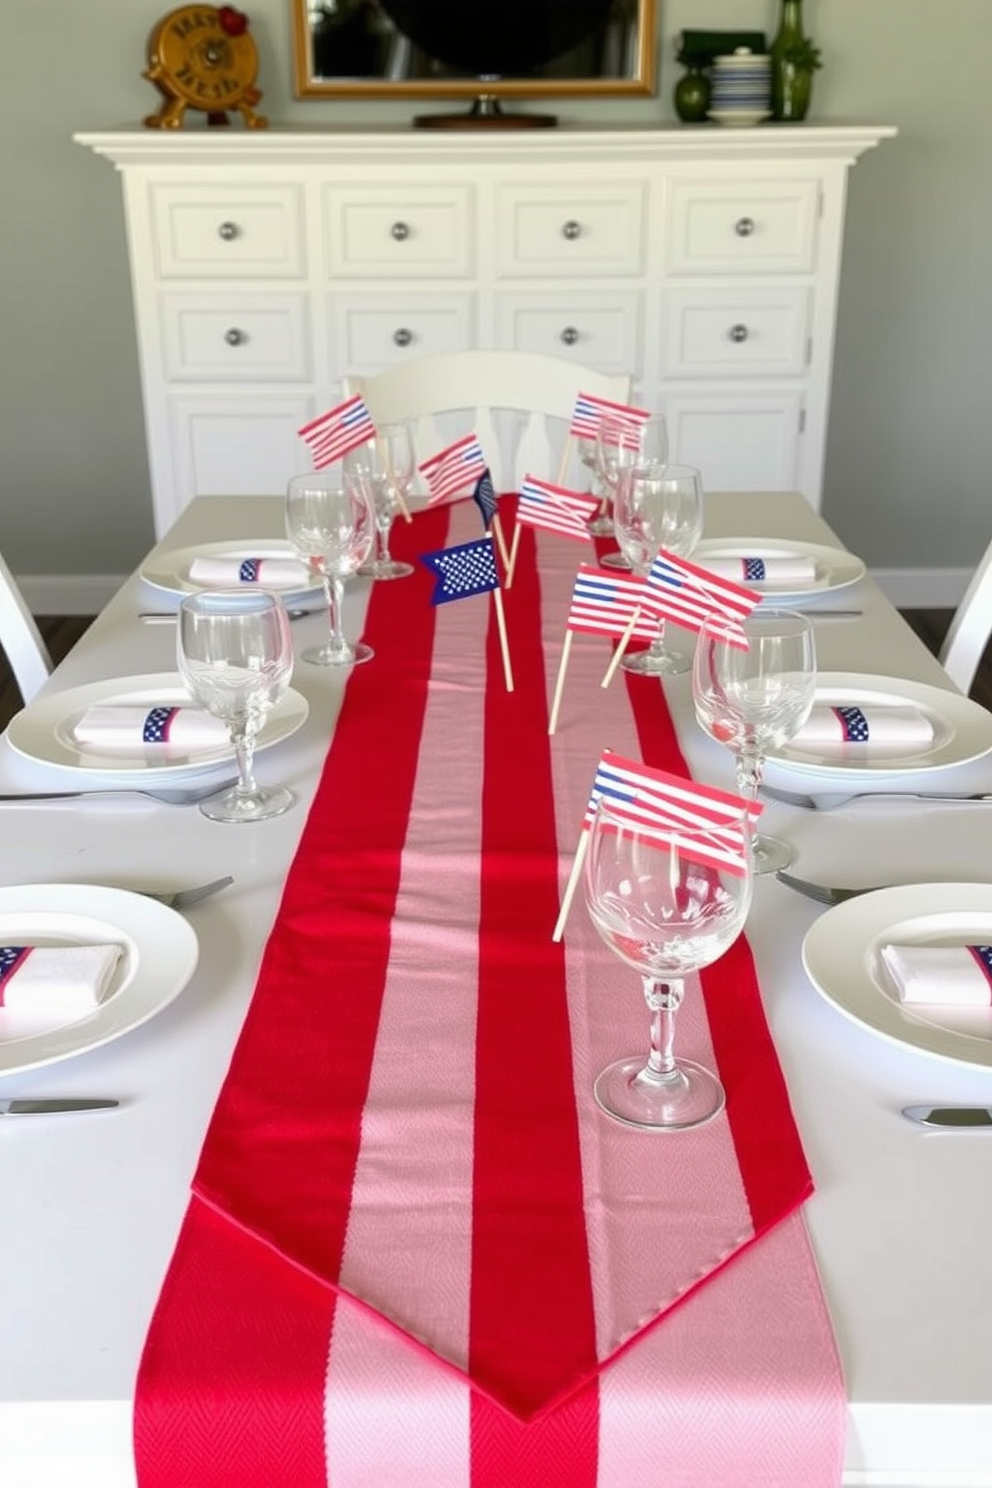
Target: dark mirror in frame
{"points": [[472, 48]]}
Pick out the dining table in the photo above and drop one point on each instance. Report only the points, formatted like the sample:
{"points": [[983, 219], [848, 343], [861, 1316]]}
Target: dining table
{"points": [[899, 1217]]}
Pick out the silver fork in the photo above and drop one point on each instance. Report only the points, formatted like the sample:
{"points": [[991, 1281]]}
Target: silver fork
{"points": [[823, 893], [186, 797], [185, 898]]}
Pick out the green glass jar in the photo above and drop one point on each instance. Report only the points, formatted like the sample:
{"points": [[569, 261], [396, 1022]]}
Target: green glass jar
{"points": [[692, 96]]}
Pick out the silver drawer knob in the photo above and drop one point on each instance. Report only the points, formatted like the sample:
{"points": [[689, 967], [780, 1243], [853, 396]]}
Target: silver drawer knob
{"points": [[738, 333], [234, 337], [572, 230], [744, 227], [569, 336], [229, 231], [400, 231], [402, 337]]}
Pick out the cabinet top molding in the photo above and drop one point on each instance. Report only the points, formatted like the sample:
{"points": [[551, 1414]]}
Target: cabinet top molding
{"points": [[407, 147]]}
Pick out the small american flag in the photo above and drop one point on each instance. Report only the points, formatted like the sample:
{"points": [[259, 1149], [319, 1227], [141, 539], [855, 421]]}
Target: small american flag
{"points": [[463, 570], [707, 822], [556, 508], [690, 595], [454, 470], [589, 413], [485, 497], [337, 431], [603, 602]]}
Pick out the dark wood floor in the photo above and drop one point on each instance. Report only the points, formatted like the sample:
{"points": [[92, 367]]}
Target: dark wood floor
{"points": [[61, 633]]}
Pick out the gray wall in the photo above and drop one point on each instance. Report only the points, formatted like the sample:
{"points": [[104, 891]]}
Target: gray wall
{"points": [[910, 451]]}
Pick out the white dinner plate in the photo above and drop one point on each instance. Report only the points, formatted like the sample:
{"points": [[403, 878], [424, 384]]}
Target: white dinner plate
{"points": [[43, 730], [835, 568], [962, 731], [169, 571], [160, 952], [843, 960]]}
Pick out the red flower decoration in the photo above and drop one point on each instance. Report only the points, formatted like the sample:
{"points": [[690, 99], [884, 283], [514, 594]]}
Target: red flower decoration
{"points": [[233, 22]]}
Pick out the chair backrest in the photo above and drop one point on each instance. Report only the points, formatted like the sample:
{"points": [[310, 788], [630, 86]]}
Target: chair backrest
{"points": [[20, 638], [519, 404], [971, 627]]}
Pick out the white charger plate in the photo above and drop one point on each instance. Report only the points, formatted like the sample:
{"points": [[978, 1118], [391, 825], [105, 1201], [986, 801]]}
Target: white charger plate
{"points": [[160, 952], [962, 732], [835, 568], [842, 958], [169, 571], [43, 730]]}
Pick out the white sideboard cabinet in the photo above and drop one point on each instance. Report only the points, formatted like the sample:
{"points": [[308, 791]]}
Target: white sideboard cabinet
{"points": [[266, 266]]}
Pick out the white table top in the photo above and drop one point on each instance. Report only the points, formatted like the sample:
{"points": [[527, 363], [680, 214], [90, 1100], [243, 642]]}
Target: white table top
{"points": [[93, 1204]]}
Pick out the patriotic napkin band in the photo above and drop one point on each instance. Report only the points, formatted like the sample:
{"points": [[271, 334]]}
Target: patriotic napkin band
{"points": [[57, 982], [948, 976], [270, 573], [758, 570], [706, 823], [128, 727], [843, 724], [556, 508], [338, 431]]}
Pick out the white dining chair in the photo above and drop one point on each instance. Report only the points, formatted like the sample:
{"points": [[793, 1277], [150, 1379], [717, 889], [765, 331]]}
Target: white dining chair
{"points": [[971, 628], [519, 404], [20, 638]]}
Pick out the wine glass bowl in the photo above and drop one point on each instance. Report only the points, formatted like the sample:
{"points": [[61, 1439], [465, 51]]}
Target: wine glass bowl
{"points": [[665, 912], [331, 526], [235, 654], [657, 506], [383, 468], [755, 698]]}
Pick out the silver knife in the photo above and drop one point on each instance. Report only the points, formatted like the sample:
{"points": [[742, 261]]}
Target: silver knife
{"points": [[53, 1107], [955, 1117]]}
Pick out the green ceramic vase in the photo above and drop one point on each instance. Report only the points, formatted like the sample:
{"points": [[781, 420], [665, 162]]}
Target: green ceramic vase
{"points": [[692, 96]]}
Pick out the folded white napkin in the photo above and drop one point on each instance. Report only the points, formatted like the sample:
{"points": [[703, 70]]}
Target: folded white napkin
{"points": [[755, 569], [60, 982], [873, 724], [954, 976], [137, 729], [269, 573]]}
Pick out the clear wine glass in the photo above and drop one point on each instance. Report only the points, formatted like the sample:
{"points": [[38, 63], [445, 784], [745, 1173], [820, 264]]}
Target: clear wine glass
{"points": [[601, 525], [755, 700], [619, 446], [657, 506], [384, 468], [235, 655], [331, 525], [666, 914]]}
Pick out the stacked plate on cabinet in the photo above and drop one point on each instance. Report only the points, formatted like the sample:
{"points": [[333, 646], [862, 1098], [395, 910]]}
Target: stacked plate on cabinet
{"points": [[740, 88]]}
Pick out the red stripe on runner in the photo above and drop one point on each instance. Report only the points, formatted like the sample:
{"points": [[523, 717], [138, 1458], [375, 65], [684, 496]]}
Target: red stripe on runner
{"points": [[532, 1322]]}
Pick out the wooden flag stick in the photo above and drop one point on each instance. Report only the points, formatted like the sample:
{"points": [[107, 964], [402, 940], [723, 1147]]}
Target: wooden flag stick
{"points": [[566, 452], [573, 881], [511, 566], [560, 683], [504, 647], [497, 527], [391, 475], [621, 648]]}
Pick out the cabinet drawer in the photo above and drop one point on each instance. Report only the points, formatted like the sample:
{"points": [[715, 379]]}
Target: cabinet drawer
{"points": [[368, 334], [749, 227], [218, 232], [597, 330], [740, 441], [732, 333], [237, 443], [595, 227], [236, 338], [390, 232]]}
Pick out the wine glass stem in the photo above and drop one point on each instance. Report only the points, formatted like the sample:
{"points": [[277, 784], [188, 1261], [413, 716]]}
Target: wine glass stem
{"points": [[664, 1000], [243, 740], [750, 768], [382, 526], [334, 591], [657, 647]]}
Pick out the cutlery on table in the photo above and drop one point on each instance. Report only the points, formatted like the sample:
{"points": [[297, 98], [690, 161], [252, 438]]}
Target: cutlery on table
{"points": [[950, 1118], [829, 801], [186, 898], [165, 617], [54, 1107], [835, 614], [187, 797], [824, 893]]}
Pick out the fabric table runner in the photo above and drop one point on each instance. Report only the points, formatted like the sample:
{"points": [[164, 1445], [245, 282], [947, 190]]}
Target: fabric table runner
{"points": [[416, 1253]]}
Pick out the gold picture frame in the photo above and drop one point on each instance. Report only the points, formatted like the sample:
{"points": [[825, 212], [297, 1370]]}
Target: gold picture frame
{"points": [[350, 49]]}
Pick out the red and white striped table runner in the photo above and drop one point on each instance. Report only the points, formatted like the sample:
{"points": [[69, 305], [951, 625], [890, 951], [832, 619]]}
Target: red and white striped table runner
{"points": [[407, 1132]]}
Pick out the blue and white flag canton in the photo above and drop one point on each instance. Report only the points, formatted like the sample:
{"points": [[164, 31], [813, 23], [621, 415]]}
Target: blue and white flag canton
{"points": [[249, 570], [485, 497], [466, 569], [155, 729], [10, 959], [754, 570], [854, 725]]}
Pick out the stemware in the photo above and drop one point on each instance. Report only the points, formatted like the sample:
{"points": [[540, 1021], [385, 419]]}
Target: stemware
{"points": [[657, 506], [384, 469], [666, 913], [332, 526], [235, 654], [618, 447], [601, 525], [756, 699]]}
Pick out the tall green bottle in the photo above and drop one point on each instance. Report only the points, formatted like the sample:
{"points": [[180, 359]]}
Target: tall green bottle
{"points": [[788, 38]]}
